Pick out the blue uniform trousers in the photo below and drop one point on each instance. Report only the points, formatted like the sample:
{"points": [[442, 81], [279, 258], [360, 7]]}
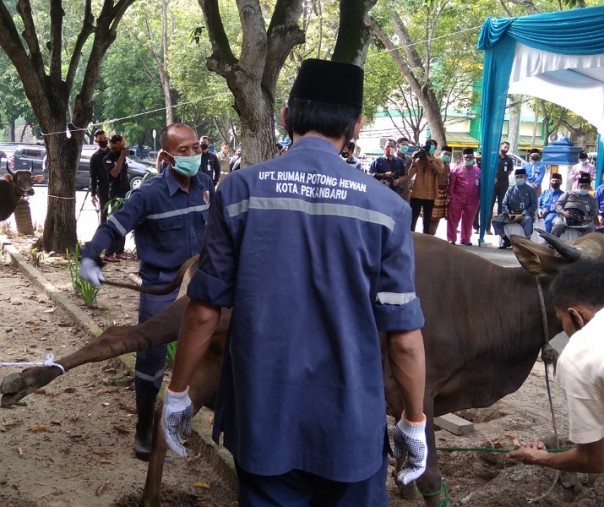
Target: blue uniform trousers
{"points": [[547, 220], [297, 488], [149, 367]]}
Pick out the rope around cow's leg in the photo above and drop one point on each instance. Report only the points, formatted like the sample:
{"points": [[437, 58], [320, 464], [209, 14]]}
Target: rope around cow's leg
{"points": [[49, 360], [441, 489]]}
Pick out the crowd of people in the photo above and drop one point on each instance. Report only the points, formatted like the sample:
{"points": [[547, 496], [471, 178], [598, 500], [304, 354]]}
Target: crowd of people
{"points": [[436, 187]]}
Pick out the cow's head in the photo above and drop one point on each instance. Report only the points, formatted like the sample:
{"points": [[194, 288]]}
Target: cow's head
{"points": [[549, 259], [23, 180]]}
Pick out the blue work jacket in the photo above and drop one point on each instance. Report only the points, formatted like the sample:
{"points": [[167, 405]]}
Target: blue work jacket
{"points": [[168, 223], [314, 259]]}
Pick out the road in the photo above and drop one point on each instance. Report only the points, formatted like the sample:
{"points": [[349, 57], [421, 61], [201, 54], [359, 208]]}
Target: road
{"points": [[87, 219]]}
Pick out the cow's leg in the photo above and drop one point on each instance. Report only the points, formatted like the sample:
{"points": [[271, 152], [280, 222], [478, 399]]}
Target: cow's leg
{"points": [[430, 483], [113, 342], [202, 390]]}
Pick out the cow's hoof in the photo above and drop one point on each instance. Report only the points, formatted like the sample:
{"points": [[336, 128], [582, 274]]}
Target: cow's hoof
{"points": [[408, 492], [12, 383]]}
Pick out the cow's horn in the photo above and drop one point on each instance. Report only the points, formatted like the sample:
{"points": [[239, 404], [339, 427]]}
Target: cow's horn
{"points": [[565, 250], [8, 169]]}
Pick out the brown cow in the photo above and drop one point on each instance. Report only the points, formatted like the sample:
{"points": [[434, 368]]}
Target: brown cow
{"points": [[14, 186], [483, 332]]}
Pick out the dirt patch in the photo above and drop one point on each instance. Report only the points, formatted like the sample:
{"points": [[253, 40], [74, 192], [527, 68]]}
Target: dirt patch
{"points": [[71, 443]]}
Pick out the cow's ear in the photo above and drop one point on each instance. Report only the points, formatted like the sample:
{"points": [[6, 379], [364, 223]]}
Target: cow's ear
{"points": [[8, 177], [536, 258], [38, 179]]}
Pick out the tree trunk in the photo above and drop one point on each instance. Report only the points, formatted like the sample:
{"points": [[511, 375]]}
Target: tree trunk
{"points": [[257, 127], [11, 131], [23, 218], [514, 125], [60, 232], [414, 73], [253, 77]]}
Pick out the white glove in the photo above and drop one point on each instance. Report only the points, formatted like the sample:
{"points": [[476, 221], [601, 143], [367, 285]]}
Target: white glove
{"points": [[91, 272], [410, 439], [176, 419]]}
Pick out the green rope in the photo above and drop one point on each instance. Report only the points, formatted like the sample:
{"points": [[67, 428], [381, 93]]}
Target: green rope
{"points": [[441, 489], [487, 449]]}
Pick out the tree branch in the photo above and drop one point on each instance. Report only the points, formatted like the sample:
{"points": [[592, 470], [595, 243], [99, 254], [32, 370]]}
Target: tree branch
{"points": [[222, 57], [283, 35], [396, 56], [85, 32], [254, 39], [55, 44], [29, 34], [354, 35]]}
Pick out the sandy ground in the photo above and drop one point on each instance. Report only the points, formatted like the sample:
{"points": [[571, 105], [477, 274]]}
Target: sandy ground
{"points": [[70, 444]]}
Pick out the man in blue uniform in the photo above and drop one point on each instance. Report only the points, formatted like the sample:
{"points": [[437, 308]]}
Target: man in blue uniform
{"points": [[535, 170], [519, 206], [168, 215], [314, 259], [548, 200]]}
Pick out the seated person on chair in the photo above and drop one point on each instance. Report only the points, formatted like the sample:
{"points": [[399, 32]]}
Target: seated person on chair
{"points": [[519, 207], [548, 200], [576, 210]]}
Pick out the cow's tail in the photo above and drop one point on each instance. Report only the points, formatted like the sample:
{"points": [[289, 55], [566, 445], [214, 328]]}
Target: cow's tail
{"points": [[191, 263]]}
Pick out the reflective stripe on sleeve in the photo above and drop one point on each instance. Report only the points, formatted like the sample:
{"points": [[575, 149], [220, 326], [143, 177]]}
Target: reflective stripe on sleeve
{"points": [[395, 298], [118, 226], [310, 208], [177, 212]]}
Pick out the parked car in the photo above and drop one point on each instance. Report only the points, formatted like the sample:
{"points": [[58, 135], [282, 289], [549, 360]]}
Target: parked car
{"points": [[33, 157], [28, 156]]}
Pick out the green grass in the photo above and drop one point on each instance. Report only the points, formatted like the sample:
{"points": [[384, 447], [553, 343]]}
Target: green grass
{"points": [[82, 288]]}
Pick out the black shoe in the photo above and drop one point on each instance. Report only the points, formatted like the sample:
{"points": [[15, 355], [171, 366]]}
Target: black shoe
{"points": [[504, 243], [144, 429], [489, 232], [466, 243]]}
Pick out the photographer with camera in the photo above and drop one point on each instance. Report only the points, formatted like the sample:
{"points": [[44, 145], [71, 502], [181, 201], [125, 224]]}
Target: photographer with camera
{"points": [[116, 166], [426, 169], [390, 169]]}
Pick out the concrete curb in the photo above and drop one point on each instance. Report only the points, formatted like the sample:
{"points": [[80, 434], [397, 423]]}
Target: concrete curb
{"points": [[216, 455]]}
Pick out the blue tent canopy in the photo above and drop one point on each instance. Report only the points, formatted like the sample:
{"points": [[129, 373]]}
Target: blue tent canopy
{"points": [[557, 56]]}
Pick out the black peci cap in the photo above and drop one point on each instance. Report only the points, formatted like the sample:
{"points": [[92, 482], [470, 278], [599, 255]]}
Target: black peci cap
{"points": [[330, 82]]}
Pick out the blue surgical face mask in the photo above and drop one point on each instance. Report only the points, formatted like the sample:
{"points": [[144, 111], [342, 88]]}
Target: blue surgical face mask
{"points": [[446, 158], [520, 181], [583, 191], [431, 150], [187, 166], [469, 162]]}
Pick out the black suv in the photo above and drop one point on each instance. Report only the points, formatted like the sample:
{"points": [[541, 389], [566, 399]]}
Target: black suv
{"points": [[33, 157], [28, 157]]}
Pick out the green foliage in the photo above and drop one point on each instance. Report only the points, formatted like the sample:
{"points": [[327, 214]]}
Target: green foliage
{"points": [[171, 353], [82, 288]]}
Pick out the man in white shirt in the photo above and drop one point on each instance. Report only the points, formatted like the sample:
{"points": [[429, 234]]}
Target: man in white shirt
{"points": [[578, 297]]}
